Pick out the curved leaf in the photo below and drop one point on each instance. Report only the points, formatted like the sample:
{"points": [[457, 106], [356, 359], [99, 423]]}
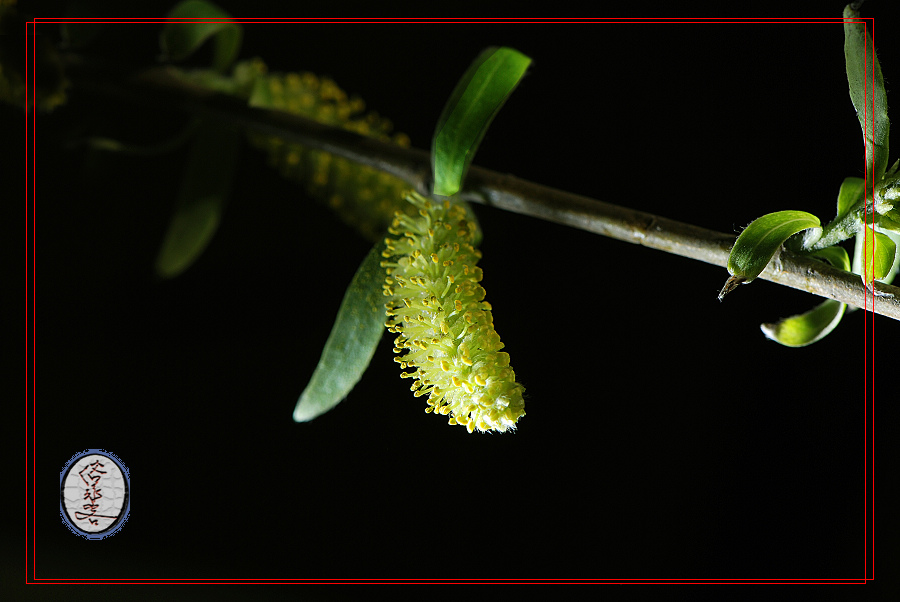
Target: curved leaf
{"points": [[807, 328], [205, 187], [190, 230], [181, 39], [352, 342], [867, 93], [759, 242], [475, 101]]}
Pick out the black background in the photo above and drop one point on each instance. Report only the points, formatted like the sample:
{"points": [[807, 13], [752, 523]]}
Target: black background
{"points": [[665, 437]]}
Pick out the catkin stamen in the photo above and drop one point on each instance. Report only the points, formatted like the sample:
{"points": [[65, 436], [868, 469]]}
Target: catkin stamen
{"points": [[445, 329]]}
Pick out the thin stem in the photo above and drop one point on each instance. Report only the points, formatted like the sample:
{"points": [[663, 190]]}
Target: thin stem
{"points": [[656, 232], [502, 191]]}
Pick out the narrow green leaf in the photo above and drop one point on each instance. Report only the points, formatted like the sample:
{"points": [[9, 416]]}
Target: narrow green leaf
{"points": [[759, 242], [475, 101], [181, 39], [867, 93], [807, 328], [850, 193], [205, 187], [352, 342], [878, 252]]}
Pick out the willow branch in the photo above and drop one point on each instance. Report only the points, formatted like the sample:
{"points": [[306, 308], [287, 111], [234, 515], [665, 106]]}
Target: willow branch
{"points": [[499, 190]]}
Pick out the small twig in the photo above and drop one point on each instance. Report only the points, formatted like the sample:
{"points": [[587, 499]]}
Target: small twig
{"points": [[502, 191]]}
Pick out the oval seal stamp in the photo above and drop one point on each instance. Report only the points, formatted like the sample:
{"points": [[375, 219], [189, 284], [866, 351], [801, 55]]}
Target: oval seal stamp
{"points": [[94, 494]]}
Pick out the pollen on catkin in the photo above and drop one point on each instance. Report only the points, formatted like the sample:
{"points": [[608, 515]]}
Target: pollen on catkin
{"points": [[362, 196], [445, 328]]}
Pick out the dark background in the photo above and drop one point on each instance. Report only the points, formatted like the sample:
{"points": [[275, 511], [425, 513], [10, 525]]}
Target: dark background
{"points": [[665, 437]]}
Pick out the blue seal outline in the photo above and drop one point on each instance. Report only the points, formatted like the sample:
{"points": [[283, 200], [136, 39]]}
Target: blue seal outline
{"points": [[126, 505]]}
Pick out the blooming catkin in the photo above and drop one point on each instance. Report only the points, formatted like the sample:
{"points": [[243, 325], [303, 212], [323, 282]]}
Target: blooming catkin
{"points": [[444, 325], [364, 197]]}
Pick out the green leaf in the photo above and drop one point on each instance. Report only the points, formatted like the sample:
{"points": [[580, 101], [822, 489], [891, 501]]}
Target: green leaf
{"points": [[181, 39], [759, 242], [893, 169], [847, 221], [878, 252], [205, 187], [352, 342], [850, 193], [836, 256], [895, 237], [867, 93], [858, 256], [807, 328], [857, 266], [888, 222], [475, 101]]}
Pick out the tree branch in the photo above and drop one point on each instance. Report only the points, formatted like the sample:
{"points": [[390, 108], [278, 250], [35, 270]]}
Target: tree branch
{"points": [[496, 190]]}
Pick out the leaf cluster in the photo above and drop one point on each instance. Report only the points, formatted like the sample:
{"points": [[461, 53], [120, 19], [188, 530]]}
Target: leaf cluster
{"points": [[865, 208]]}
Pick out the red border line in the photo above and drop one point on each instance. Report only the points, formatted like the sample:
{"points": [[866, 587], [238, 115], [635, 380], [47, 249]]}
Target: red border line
{"points": [[457, 581], [29, 328], [29, 71], [454, 20], [868, 322], [31, 397], [870, 348]]}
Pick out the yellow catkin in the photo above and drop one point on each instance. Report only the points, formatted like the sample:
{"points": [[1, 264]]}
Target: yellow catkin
{"points": [[364, 198], [448, 333]]}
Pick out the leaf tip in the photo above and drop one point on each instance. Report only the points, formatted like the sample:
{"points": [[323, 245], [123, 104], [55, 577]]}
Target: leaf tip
{"points": [[732, 283], [770, 330], [301, 414]]}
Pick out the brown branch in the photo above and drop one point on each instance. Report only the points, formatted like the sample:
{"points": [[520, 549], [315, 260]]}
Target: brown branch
{"points": [[501, 191]]}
